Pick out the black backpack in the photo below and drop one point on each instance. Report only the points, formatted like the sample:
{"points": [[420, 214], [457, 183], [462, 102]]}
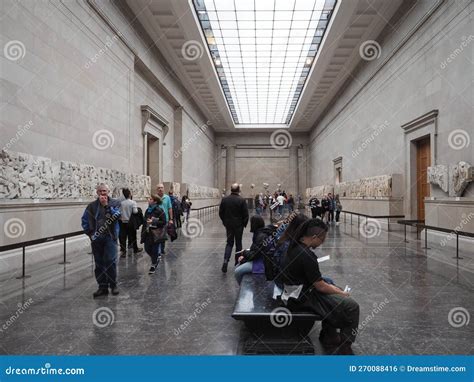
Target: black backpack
{"points": [[271, 263], [136, 220]]}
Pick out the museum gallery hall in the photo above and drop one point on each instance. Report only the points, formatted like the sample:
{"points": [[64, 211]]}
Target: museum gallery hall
{"points": [[223, 177]]}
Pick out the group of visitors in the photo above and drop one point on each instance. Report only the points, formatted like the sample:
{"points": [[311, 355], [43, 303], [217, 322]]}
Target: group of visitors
{"points": [[284, 252], [106, 219], [285, 202], [329, 207]]}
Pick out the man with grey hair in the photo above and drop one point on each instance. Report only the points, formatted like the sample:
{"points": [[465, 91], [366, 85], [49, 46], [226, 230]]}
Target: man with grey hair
{"points": [[234, 214], [100, 222]]}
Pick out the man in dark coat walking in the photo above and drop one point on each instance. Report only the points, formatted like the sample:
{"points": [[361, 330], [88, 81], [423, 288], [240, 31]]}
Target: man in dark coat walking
{"points": [[234, 214]]}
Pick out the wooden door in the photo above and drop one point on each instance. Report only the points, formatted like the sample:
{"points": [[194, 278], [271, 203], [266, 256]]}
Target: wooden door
{"points": [[423, 161]]}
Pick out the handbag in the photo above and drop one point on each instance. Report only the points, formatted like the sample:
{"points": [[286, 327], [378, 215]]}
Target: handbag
{"points": [[158, 234]]}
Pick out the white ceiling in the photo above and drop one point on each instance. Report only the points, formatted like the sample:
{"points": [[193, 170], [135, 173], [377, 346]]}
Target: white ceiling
{"points": [[173, 23]]}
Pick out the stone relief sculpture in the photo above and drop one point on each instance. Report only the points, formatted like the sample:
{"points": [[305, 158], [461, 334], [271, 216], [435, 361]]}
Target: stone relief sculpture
{"points": [[452, 179], [375, 186], [319, 191], [24, 176], [439, 175], [461, 175], [201, 192]]}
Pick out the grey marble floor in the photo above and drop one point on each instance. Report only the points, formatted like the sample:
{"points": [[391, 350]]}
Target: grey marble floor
{"points": [[412, 301]]}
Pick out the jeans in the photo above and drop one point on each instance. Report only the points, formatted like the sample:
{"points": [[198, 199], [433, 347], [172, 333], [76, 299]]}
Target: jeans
{"points": [[337, 215], [242, 270], [104, 249], [258, 210], [128, 231], [330, 216], [233, 234], [154, 250]]}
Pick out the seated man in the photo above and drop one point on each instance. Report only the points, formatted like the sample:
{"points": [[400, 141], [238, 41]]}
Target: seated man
{"points": [[305, 288]]}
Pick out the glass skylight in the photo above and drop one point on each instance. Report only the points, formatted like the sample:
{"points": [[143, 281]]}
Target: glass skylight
{"points": [[263, 51]]}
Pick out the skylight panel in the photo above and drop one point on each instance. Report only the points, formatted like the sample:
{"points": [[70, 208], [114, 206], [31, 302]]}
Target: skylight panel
{"points": [[263, 52]]}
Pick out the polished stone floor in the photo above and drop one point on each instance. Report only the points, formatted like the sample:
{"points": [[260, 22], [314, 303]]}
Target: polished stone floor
{"points": [[412, 301]]}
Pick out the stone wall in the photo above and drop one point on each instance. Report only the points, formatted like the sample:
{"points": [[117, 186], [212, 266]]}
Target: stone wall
{"points": [[423, 67]]}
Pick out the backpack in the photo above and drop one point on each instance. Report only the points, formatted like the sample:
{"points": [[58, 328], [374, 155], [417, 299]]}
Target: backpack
{"points": [[136, 220], [270, 261], [176, 205]]}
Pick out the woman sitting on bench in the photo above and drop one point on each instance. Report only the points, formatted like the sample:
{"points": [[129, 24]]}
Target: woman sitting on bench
{"points": [[305, 288], [251, 260]]}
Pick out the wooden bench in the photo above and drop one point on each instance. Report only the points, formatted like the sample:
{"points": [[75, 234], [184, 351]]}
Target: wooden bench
{"points": [[274, 329]]}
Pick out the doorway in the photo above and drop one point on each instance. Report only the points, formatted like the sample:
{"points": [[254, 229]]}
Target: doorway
{"points": [[423, 161], [153, 159]]}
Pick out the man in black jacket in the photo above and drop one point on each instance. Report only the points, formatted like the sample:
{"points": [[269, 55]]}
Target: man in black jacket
{"points": [[234, 214]]}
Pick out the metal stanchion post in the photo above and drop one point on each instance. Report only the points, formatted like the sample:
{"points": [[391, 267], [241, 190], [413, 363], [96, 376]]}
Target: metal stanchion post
{"points": [[64, 254], [23, 266]]}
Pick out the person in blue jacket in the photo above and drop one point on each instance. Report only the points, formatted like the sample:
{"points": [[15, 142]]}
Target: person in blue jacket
{"points": [[100, 222]]}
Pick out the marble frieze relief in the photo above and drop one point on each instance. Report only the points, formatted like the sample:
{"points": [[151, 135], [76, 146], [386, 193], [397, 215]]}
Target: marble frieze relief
{"points": [[452, 179], [24, 176]]}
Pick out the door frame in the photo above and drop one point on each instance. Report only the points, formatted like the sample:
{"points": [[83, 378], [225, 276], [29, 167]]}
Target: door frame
{"points": [[419, 128], [156, 125]]}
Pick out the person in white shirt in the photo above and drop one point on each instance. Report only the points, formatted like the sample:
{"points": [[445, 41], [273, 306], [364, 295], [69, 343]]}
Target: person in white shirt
{"points": [[127, 230], [281, 202]]}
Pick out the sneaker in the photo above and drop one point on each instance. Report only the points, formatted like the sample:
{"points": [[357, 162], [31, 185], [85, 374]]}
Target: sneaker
{"points": [[152, 269], [100, 292], [138, 251], [224, 267], [114, 291], [159, 257]]}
